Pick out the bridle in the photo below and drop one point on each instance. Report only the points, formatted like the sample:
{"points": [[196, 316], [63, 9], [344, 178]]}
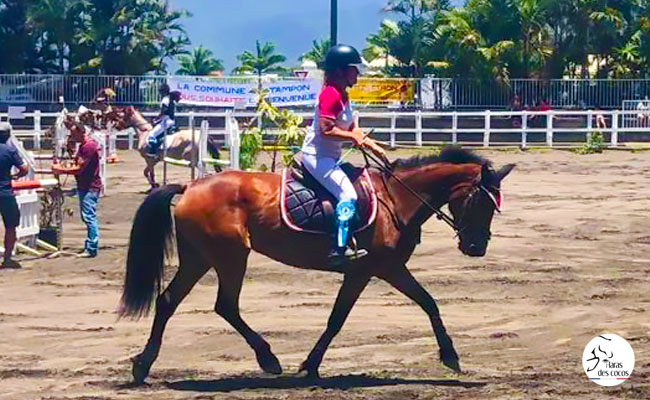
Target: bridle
{"points": [[477, 188]]}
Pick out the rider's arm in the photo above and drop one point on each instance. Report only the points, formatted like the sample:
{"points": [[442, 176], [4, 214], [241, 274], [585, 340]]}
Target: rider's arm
{"points": [[164, 106], [330, 105], [328, 128]]}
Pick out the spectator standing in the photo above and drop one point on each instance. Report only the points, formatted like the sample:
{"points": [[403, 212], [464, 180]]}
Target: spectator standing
{"points": [[9, 158], [89, 185]]}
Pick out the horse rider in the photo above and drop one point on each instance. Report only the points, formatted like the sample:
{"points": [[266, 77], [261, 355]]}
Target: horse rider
{"points": [[165, 120], [333, 125], [93, 115]]}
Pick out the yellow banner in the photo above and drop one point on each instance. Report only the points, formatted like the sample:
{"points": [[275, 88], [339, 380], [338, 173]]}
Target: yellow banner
{"points": [[372, 91]]}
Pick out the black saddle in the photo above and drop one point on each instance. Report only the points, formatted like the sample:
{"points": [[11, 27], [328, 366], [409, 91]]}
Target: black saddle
{"points": [[308, 207]]}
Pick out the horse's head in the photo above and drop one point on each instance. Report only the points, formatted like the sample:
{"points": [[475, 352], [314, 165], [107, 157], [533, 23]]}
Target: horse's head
{"points": [[473, 205], [87, 118], [116, 117], [69, 120]]}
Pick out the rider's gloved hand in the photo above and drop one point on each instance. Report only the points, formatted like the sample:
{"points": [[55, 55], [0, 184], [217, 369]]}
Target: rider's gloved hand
{"points": [[358, 136]]}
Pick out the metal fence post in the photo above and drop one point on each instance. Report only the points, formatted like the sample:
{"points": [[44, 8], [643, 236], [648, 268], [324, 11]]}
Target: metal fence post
{"points": [[131, 131], [393, 124], [164, 143], [37, 129], [418, 128], [454, 127], [549, 130], [486, 132], [615, 128], [524, 128], [590, 124], [195, 150]]}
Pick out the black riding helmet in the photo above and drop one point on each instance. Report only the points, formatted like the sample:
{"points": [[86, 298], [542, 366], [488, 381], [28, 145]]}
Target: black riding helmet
{"points": [[341, 56]]}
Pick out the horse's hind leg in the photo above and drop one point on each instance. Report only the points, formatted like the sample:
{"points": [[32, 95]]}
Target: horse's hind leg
{"points": [[231, 269], [191, 268], [401, 279]]}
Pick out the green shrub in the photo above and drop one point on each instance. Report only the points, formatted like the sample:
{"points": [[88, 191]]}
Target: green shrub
{"points": [[593, 145]]}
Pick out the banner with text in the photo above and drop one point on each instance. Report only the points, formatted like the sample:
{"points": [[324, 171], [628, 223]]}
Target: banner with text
{"points": [[383, 91], [223, 94]]}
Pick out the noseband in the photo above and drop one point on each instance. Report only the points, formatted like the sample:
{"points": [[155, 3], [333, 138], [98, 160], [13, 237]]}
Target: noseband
{"points": [[477, 189]]}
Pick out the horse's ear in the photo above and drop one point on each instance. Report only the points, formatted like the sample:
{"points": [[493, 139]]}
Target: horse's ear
{"points": [[504, 171]]}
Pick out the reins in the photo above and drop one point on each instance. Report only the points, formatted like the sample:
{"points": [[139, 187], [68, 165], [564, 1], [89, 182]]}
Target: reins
{"points": [[385, 167]]}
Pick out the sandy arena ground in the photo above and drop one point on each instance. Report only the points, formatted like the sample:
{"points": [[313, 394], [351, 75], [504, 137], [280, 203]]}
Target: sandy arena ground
{"points": [[569, 259]]}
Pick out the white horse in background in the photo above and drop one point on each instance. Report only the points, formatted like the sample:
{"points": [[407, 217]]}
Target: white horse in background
{"points": [[180, 145]]}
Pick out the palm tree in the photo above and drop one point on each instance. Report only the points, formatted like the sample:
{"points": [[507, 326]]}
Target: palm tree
{"points": [[378, 44], [413, 9], [55, 20], [264, 60], [15, 38], [317, 52], [129, 36], [469, 51], [534, 35], [200, 62]]}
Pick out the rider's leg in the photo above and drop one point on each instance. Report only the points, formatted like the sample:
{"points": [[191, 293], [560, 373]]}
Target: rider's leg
{"points": [[332, 177], [153, 138], [157, 134]]}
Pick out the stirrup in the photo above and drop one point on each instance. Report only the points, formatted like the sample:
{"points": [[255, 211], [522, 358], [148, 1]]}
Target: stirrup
{"points": [[340, 255]]}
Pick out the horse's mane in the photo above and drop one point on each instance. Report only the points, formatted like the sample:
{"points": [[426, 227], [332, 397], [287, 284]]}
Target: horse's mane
{"points": [[448, 154]]}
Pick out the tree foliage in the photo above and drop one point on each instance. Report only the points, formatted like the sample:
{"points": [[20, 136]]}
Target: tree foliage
{"points": [[89, 36], [200, 62], [264, 60], [503, 39], [317, 52]]}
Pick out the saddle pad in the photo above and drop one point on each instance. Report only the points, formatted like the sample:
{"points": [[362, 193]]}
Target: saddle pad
{"points": [[312, 209]]}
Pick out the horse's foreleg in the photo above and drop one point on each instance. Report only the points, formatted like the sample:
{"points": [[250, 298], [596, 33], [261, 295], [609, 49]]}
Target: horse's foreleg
{"points": [[190, 270], [149, 173], [231, 269], [402, 279], [152, 174], [353, 285]]}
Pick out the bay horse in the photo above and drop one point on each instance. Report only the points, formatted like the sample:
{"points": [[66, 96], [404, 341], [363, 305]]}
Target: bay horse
{"points": [[179, 144], [220, 219]]}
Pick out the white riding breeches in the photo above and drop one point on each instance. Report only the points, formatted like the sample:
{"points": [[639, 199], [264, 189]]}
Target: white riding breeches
{"points": [[331, 176], [162, 126]]}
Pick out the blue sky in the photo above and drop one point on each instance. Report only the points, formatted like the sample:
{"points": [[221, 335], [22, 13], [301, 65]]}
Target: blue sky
{"points": [[229, 27]]}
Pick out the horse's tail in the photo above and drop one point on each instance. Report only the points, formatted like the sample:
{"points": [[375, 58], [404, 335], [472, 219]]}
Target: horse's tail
{"points": [[150, 241], [213, 149]]}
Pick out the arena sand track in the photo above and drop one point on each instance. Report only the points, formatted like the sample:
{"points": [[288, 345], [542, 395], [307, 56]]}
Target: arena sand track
{"points": [[570, 259]]}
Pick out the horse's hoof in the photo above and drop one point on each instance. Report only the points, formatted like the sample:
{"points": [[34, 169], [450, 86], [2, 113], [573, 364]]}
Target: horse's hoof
{"points": [[270, 364], [452, 363], [308, 373], [140, 370]]}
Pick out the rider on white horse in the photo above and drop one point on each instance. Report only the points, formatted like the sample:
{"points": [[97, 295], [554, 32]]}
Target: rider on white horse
{"points": [[165, 119]]}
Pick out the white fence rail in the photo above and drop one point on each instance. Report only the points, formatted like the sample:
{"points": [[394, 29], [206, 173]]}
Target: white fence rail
{"points": [[419, 128]]}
